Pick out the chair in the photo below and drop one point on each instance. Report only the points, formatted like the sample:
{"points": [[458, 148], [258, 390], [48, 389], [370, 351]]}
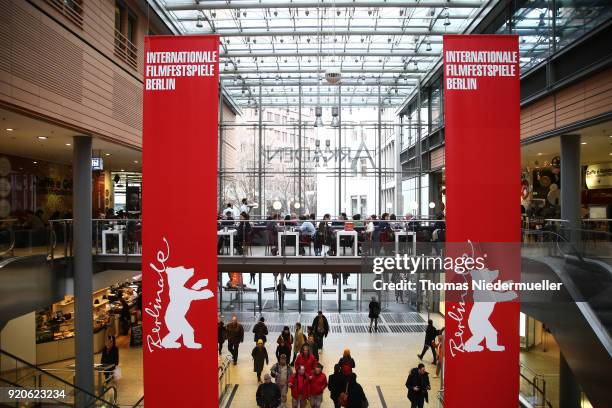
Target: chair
{"points": [[305, 240]]}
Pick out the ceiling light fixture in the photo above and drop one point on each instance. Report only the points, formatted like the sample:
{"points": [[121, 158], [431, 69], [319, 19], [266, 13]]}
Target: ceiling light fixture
{"points": [[199, 23], [68, 144], [583, 143], [11, 129], [107, 154], [42, 137]]}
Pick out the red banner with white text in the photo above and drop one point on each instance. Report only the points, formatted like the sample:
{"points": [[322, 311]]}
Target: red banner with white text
{"points": [[482, 118], [179, 259]]}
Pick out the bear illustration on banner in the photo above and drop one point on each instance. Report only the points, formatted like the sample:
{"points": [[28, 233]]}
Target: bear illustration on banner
{"points": [[484, 303], [180, 301]]}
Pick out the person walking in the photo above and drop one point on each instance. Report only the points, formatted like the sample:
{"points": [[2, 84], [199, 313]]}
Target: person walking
{"points": [[318, 383], [252, 278], [307, 360], [288, 339], [418, 385], [268, 394], [430, 335], [321, 328], [110, 357], [336, 385], [221, 335], [281, 288], [439, 344], [374, 313], [260, 355], [300, 387], [346, 361], [312, 343], [281, 372], [282, 349], [260, 330], [298, 341], [355, 397], [235, 336]]}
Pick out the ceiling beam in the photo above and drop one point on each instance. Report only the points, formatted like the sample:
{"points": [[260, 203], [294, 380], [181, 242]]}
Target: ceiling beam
{"points": [[348, 70], [227, 83], [240, 5], [308, 53], [339, 32]]}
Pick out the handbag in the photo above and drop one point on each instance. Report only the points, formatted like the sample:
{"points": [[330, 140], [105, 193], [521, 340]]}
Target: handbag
{"points": [[343, 397], [117, 373]]}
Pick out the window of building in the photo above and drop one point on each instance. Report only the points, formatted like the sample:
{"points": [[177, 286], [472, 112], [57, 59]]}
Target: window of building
{"points": [[71, 9], [125, 34], [363, 165]]}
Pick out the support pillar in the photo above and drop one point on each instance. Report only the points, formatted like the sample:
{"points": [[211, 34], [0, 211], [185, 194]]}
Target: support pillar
{"points": [[260, 200], [381, 207], [569, 390], [82, 264], [570, 185]]}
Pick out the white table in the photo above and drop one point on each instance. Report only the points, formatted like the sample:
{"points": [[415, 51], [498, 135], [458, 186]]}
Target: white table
{"points": [[342, 233], [405, 234], [119, 234], [228, 233], [281, 234]]}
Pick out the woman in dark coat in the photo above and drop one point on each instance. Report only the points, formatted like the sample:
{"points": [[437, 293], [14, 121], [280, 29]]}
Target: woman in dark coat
{"points": [[260, 356], [374, 307], [110, 356]]}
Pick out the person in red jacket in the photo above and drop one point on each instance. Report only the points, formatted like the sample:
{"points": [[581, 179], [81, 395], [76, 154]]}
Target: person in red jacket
{"points": [[306, 359], [300, 387], [318, 383]]}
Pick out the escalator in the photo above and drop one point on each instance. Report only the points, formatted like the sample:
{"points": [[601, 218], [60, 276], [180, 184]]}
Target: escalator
{"points": [[579, 316]]}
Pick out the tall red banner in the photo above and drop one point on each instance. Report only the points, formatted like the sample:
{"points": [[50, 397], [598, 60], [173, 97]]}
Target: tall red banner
{"points": [[179, 260], [482, 118]]}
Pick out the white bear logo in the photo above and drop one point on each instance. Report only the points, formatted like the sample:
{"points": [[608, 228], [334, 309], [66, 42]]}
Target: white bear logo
{"points": [[180, 300], [484, 303]]}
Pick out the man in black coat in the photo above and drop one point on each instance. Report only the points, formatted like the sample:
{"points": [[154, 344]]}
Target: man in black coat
{"points": [[320, 327], [260, 330], [268, 394], [418, 385], [430, 335], [336, 383], [356, 396]]}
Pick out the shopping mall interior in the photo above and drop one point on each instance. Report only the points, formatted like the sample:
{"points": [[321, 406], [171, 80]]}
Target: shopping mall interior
{"points": [[331, 113]]}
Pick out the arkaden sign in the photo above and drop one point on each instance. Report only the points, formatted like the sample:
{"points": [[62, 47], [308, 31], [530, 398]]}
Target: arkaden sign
{"points": [[482, 108], [179, 260]]}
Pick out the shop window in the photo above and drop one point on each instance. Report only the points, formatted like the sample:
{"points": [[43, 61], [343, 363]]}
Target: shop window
{"points": [[71, 9], [125, 34], [364, 205]]}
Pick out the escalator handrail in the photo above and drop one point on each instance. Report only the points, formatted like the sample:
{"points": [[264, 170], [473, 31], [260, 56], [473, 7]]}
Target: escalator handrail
{"points": [[560, 238], [61, 380], [537, 388]]}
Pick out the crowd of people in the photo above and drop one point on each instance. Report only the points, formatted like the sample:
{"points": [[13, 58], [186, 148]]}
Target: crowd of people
{"points": [[297, 378], [316, 234]]}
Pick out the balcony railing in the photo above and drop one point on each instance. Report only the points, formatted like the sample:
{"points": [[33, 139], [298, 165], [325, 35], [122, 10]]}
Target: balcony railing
{"points": [[126, 50], [71, 9]]}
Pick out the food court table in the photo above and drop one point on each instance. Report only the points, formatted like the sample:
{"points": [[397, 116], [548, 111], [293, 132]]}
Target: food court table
{"points": [[342, 233], [119, 234], [405, 234], [282, 234], [228, 233]]}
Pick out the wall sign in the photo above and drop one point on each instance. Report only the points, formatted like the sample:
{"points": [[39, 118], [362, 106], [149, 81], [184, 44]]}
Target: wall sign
{"points": [[179, 260], [599, 176], [482, 108]]}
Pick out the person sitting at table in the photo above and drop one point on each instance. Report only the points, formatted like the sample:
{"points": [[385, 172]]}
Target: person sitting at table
{"points": [[224, 222], [242, 232], [382, 233], [272, 228], [307, 231], [340, 221], [411, 224], [321, 235]]}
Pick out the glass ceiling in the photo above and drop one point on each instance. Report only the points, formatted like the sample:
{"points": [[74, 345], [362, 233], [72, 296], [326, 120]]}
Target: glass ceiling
{"points": [[381, 48]]}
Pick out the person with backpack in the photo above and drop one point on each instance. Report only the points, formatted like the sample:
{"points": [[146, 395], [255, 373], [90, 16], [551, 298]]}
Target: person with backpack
{"points": [[306, 359], [318, 383], [260, 355], [336, 385], [260, 331], [287, 338], [374, 313], [281, 372], [430, 336], [299, 384], [320, 326], [346, 361], [268, 394], [221, 335], [418, 385], [298, 341]]}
